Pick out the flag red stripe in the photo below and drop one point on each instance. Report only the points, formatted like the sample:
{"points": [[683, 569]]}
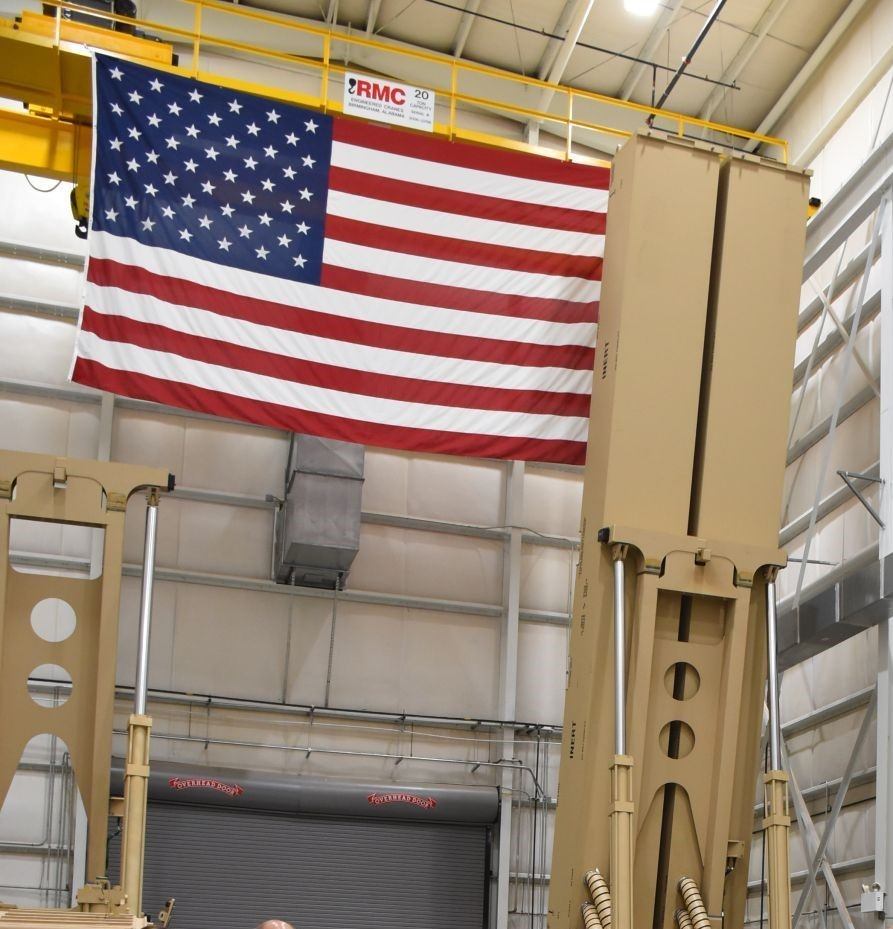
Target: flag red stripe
{"points": [[454, 201], [464, 155], [457, 298], [444, 248], [108, 273], [330, 377], [433, 441]]}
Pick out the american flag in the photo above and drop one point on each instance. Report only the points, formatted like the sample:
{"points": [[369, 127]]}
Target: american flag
{"points": [[258, 261]]}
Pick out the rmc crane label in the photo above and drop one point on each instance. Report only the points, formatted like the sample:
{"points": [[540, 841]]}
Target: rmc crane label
{"points": [[388, 102]]}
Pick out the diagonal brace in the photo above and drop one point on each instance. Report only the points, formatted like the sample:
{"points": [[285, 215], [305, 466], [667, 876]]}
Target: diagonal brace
{"points": [[848, 477], [836, 808]]}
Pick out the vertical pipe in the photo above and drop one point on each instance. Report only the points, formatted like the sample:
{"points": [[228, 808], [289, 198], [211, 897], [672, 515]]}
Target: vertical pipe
{"points": [[772, 649], [145, 628], [619, 659]]}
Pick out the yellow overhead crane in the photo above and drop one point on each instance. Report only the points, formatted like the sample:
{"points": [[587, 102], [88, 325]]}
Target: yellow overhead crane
{"points": [[45, 64]]}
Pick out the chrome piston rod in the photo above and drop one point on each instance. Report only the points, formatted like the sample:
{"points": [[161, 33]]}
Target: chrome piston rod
{"points": [[619, 658], [145, 627], [772, 684]]}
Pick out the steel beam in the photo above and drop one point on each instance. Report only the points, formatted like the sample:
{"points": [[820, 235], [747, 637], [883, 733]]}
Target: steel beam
{"points": [[836, 499], [831, 821], [810, 841], [466, 21], [743, 56], [655, 37], [508, 679], [819, 431], [844, 602], [834, 340], [372, 16], [851, 206], [883, 871]]}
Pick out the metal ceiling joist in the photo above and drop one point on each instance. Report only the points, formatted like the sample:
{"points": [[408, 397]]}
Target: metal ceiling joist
{"points": [[655, 37], [743, 56], [813, 63], [465, 23], [576, 12], [554, 45], [372, 16]]}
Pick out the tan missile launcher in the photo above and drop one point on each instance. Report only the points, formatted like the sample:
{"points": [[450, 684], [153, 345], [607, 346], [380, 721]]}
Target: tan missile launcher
{"points": [[681, 507]]}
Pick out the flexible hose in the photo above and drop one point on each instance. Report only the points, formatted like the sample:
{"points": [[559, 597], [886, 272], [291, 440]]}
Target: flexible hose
{"points": [[683, 920], [590, 917], [691, 896], [601, 896]]}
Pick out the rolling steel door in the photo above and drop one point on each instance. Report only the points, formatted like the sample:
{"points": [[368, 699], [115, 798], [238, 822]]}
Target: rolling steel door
{"points": [[233, 868]]}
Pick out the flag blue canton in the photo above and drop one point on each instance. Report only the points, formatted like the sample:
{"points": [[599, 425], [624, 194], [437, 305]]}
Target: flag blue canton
{"points": [[217, 175]]}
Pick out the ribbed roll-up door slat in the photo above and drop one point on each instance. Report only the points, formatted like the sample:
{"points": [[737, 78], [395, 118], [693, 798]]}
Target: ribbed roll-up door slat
{"points": [[231, 869]]}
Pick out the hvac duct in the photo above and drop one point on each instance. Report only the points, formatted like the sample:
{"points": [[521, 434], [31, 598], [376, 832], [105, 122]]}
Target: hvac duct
{"points": [[318, 525]]}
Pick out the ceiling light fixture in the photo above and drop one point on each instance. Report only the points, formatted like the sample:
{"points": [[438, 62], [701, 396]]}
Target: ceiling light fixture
{"points": [[641, 7]]}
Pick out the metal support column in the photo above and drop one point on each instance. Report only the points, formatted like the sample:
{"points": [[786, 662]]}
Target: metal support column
{"points": [[136, 771], [508, 678], [883, 869]]}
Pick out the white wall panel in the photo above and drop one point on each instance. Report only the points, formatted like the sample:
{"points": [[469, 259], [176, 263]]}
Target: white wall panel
{"points": [[308, 650], [552, 501], [438, 663], [435, 487], [34, 218], [42, 282], [152, 439], [221, 456], [428, 564], [230, 642], [542, 665], [35, 348], [52, 427], [546, 578], [225, 539]]}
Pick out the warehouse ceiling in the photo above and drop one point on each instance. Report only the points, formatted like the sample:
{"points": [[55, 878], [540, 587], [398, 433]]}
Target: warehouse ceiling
{"points": [[773, 37]]}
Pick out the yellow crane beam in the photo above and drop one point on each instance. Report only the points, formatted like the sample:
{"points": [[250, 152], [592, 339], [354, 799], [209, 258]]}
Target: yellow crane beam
{"points": [[45, 64]]}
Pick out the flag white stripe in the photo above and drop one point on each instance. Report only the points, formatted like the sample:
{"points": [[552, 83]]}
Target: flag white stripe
{"points": [[456, 274], [113, 301], [339, 303], [464, 228], [467, 180], [174, 368]]}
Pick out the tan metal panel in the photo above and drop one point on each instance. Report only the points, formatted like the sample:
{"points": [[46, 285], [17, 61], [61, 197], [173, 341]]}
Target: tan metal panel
{"points": [[756, 282]]}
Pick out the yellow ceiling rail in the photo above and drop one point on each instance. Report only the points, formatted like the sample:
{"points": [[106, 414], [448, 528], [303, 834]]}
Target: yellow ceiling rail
{"points": [[48, 66]]}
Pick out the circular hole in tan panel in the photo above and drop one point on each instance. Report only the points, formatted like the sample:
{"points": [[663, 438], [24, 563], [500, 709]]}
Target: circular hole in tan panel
{"points": [[686, 676], [682, 735], [53, 620], [49, 685]]}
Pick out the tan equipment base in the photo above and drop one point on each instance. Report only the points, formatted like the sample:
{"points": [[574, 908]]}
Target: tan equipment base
{"points": [[15, 918]]}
